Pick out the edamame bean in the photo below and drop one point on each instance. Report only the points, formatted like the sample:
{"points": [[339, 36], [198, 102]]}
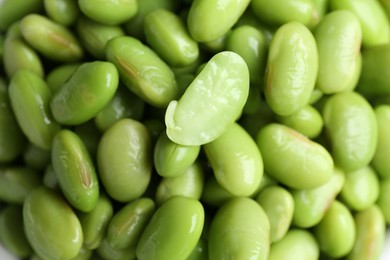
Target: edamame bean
{"points": [[211, 103], [296, 244], [336, 233], [380, 161], [384, 199], [90, 89], [310, 205], [200, 251], [239, 230], [58, 76], [370, 234], [125, 170], [13, 10], [59, 239], [189, 183], [186, 217], [361, 188], [64, 12], [30, 97], [142, 71], [292, 68], [339, 30], [201, 21], [35, 157], [109, 12], [105, 251], [75, 171], [285, 11], [351, 128], [214, 194], [372, 17], [171, 159], [167, 35], [306, 164], [49, 179], [237, 166], [127, 225], [278, 205], [95, 223], [54, 41], [12, 233]]}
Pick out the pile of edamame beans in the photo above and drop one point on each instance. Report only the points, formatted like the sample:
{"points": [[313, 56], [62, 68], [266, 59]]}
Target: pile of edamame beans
{"points": [[204, 129]]}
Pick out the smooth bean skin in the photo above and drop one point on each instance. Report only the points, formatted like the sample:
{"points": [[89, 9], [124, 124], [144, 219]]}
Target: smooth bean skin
{"points": [[336, 233], [127, 225], [339, 30], [310, 205], [30, 98], [372, 17], [125, 170], [291, 69], [281, 12], [361, 188], [251, 44], [351, 128], [109, 12], [52, 40], [16, 182], [75, 171], [238, 167], [64, 12], [58, 76], [278, 204], [171, 159], [239, 230], [214, 194], [380, 161], [60, 239], [89, 89], [306, 164], [307, 120], [95, 223], [189, 183], [142, 70], [12, 234], [186, 217], [370, 234], [200, 252], [105, 251], [296, 244], [13, 10], [211, 103], [201, 18], [384, 199], [167, 35], [11, 136], [94, 36]]}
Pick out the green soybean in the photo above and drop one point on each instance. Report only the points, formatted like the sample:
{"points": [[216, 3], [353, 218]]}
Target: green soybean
{"points": [[306, 164], [127, 225], [54, 41], [171, 159], [292, 68], [370, 234], [372, 17], [239, 230], [200, 251], [238, 167], [30, 97], [380, 161], [278, 204], [296, 244], [13, 10], [35, 157], [214, 194], [211, 103], [384, 199], [186, 217], [142, 70], [64, 12], [125, 170], [201, 18], [167, 35], [109, 12], [90, 89], [310, 205], [351, 128], [60, 239], [339, 30], [59, 75], [336, 233], [95, 223], [105, 251], [361, 188], [75, 170]]}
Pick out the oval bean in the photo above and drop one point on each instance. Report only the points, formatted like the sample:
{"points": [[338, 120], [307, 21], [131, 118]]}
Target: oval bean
{"points": [[380, 161]]}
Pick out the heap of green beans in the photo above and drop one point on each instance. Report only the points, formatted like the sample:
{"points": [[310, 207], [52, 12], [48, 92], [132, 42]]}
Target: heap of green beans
{"points": [[204, 129]]}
